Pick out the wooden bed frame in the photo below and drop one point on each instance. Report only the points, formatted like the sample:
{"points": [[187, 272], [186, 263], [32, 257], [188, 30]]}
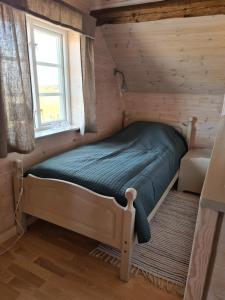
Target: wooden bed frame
{"points": [[84, 211]]}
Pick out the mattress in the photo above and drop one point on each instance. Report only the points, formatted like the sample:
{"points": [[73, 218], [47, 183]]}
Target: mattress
{"points": [[145, 156]]}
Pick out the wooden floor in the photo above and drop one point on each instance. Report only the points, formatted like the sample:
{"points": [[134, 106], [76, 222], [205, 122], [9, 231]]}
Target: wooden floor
{"points": [[51, 263]]}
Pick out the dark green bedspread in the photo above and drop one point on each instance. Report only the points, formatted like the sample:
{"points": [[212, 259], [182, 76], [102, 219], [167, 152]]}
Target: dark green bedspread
{"points": [[145, 156]]}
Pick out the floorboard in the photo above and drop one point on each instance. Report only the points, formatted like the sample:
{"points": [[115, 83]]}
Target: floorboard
{"points": [[50, 262]]}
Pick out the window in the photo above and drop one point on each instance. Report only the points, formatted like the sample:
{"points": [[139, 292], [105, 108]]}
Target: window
{"points": [[48, 47]]}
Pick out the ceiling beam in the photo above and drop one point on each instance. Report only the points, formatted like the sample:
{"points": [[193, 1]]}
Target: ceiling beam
{"points": [[159, 10]]}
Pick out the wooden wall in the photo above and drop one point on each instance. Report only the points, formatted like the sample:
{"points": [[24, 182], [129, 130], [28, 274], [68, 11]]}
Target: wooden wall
{"points": [[174, 69], [184, 55], [109, 120], [207, 109]]}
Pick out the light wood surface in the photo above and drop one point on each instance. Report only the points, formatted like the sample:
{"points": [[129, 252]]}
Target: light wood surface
{"points": [[205, 278], [213, 194], [185, 127], [201, 253], [206, 108], [74, 207], [51, 263], [83, 211], [151, 216], [216, 289], [80, 210], [170, 56], [128, 235]]}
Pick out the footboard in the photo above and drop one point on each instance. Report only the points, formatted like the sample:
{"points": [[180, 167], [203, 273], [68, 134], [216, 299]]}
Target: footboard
{"points": [[75, 208]]}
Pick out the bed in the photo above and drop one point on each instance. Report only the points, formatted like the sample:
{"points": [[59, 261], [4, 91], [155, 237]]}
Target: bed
{"points": [[108, 190]]}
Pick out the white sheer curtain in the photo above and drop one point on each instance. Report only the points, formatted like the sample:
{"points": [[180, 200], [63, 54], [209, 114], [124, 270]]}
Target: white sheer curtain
{"points": [[16, 113]]}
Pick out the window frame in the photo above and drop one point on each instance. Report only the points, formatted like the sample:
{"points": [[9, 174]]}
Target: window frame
{"points": [[32, 23]]}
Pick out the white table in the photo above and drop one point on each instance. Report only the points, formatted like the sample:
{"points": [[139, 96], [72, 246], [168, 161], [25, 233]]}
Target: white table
{"points": [[193, 170]]}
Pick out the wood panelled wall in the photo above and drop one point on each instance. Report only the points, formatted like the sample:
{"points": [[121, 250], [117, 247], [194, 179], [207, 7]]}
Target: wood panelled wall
{"points": [[207, 109], [174, 69], [184, 55], [109, 116]]}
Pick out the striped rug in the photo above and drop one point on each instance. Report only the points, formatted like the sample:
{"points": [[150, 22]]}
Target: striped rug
{"points": [[165, 259]]}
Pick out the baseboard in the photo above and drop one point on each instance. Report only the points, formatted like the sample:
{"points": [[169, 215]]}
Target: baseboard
{"points": [[6, 235]]}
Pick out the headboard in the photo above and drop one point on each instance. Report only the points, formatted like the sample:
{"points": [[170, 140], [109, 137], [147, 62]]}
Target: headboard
{"points": [[186, 127]]}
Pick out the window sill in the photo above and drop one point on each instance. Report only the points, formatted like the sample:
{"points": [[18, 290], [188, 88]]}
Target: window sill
{"points": [[48, 132]]}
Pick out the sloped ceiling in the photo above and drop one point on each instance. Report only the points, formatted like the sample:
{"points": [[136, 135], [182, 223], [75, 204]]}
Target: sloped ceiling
{"points": [[171, 56]]}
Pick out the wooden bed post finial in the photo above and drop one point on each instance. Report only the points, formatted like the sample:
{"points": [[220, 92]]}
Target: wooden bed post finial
{"points": [[131, 195]]}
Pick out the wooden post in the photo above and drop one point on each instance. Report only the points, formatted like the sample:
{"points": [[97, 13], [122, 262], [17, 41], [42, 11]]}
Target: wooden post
{"points": [[18, 190], [128, 234], [201, 253], [191, 131]]}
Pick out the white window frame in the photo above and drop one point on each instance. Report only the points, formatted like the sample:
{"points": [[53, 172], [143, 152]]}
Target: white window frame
{"points": [[60, 125]]}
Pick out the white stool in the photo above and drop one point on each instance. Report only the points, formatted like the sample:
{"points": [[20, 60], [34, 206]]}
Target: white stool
{"points": [[193, 169]]}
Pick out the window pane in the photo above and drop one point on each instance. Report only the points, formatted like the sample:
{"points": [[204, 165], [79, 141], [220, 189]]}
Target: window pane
{"points": [[48, 79], [47, 47], [51, 109]]}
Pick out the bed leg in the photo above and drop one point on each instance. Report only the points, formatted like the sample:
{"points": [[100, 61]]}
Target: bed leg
{"points": [[128, 235], [20, 217]]}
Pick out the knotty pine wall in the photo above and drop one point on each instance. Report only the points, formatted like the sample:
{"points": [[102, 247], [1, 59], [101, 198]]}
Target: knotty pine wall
{"points": [[174, 69], [183, 55], [109, 120], [207, 109]]}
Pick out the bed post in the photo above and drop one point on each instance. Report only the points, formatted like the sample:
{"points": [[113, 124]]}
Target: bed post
{"points": [[127, 234], [124, 119], [190, 131], [18, 190]]}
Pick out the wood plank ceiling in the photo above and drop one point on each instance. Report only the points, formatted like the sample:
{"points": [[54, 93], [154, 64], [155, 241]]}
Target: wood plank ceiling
{"points": [[99, 4], [159, 10]]}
